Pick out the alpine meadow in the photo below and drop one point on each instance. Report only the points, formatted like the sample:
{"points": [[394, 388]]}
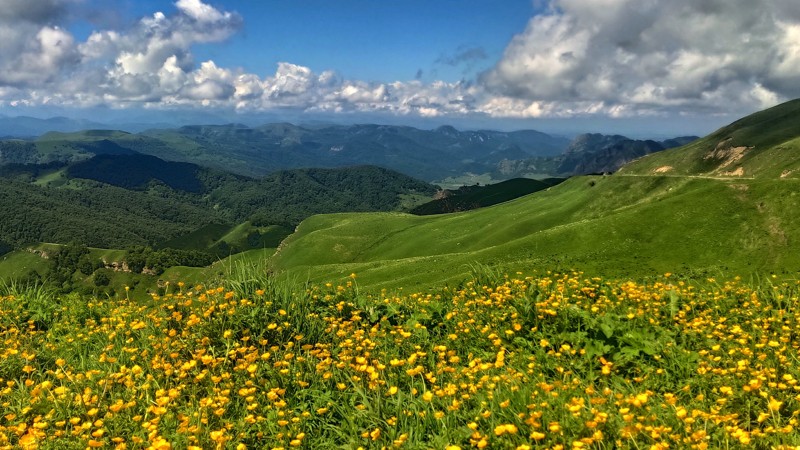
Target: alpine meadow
{"points": [[557, 224]]}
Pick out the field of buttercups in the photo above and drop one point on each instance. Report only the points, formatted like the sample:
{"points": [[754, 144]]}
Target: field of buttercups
{"points": [[545, 360]]}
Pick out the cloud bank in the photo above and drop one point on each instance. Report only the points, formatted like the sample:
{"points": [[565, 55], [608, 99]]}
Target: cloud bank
{"points": [[610, 58], [640, 56]]}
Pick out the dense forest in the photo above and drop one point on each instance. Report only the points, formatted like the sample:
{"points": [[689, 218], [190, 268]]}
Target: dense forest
{"points": [[466, 198], [117, 201], [93, 214]]}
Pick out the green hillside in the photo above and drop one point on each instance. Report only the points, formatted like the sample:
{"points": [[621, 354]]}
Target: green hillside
{"points": [[20, 264], [764, 144], [640, 222], [161, 214]]}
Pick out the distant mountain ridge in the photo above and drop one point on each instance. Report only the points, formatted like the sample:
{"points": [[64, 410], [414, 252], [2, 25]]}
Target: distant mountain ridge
{"points": [[587, 154], [598, 153], [426, 154], [431, 155], [24, 126]]}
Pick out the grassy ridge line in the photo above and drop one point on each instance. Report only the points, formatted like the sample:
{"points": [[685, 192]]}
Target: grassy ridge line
{"points": [[772, 135], [631, 226]]}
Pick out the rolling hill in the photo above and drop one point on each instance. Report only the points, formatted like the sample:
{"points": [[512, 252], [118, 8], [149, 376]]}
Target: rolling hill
{"points": [[120, 199], [763, 145], [695, 218], [143, 215]]}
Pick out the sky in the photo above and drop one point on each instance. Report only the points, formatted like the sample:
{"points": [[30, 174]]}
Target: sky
{"points": [[664, 67]]}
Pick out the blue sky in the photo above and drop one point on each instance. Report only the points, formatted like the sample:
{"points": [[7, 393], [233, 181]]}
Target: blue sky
{"points": [[374, 40], [370, 40], [660, 67]]}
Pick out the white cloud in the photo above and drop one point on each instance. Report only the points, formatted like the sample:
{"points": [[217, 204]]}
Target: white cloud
{"points": [[614, 58], [200, 11], [673, 56]]}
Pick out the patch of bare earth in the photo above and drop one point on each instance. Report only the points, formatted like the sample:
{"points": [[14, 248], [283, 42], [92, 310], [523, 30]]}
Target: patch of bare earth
{"points": [[776, 231], [726, 154], [786, 173], [739, 172], [663, 169]]}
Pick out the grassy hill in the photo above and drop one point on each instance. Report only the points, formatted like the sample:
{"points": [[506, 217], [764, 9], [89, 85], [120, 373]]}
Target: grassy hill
{"points": [[763, 145], [634, 226], [637, 223]]}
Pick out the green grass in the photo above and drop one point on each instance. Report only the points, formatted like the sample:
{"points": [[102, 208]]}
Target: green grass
{"points": [[614, 226], [247, 236], [468, 179], [106, 254], [20, 263], [201, 239], [772, 136], [408, 201], [215, 274], [52, 179]]}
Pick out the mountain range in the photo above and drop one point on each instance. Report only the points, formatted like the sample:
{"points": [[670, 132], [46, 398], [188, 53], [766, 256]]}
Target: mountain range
{"points": [[430, 155]]}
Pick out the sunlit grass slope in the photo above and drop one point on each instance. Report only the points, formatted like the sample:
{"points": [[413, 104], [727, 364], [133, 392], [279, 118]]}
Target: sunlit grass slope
{"points": [[613, 225], [764, 144], [726, 202], [19, 263]]}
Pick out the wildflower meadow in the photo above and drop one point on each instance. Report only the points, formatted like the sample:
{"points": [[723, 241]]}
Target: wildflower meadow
{"points": [[559, 361]]}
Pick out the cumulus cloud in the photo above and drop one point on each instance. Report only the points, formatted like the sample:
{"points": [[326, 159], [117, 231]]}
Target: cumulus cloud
{"points": [[32, 49], [201, 12], [612, 58], [634, 56]]}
